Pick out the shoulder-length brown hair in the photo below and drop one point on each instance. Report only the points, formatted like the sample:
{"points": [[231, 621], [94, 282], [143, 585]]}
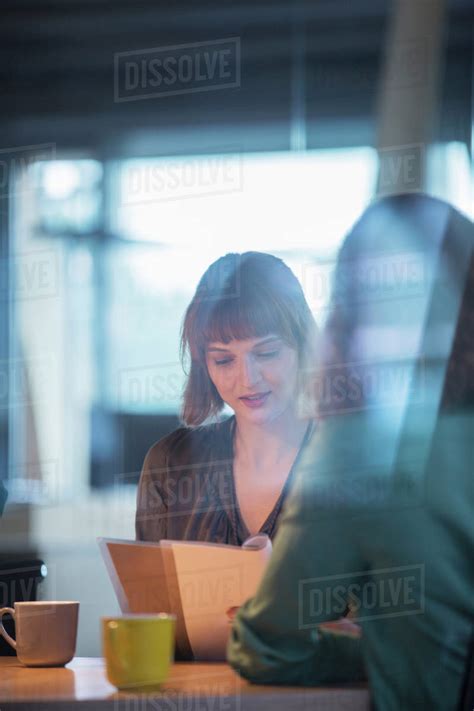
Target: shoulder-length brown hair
{"points": [[241, 296]]}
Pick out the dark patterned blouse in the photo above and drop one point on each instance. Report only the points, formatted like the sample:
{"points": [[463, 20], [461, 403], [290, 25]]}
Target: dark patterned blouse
{"points": [[187, 489]]}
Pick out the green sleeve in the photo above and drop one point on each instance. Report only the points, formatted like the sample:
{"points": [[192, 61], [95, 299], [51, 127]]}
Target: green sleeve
{"points": [[275, 639]]}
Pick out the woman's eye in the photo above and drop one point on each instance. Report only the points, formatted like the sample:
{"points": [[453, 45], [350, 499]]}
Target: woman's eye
{"points": [[268, 354], [223, 361]]}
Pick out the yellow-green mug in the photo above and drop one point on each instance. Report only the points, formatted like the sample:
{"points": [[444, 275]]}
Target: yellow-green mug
{"points": [[138, 649]]}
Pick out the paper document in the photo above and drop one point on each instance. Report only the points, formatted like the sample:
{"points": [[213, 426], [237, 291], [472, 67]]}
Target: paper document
{"points": [[198, 582]]}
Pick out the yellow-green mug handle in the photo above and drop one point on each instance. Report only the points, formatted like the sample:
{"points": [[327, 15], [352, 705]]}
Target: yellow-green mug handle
{"points": [[3, 631]]}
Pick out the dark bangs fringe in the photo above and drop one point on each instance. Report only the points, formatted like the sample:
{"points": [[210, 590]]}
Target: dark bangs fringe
{"points": [[248, 316]]}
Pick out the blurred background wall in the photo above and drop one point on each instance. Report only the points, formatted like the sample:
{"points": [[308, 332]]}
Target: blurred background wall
{"points": [[281, 122]]}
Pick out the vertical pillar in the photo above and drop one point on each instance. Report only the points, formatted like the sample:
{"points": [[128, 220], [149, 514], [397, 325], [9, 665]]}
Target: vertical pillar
{"points": [[408, 96]]}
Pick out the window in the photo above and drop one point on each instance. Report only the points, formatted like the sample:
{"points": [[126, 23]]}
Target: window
{"points": [[106, 258], [125, 243]]}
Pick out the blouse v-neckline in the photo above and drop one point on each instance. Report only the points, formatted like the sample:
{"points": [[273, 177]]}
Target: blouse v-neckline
{"points": [[241, 531]]}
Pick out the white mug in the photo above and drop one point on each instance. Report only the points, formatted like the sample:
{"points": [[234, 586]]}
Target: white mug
{"points": [[45, 632]]}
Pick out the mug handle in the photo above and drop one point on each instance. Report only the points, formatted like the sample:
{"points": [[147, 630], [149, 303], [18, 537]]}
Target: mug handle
{"points": [[3, 631]]}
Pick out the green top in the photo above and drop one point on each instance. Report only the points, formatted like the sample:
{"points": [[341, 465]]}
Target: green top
{"points": [[390, 525]]}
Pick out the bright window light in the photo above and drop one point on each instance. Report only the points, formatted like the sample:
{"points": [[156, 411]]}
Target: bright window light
{"points": [[283, 203]]}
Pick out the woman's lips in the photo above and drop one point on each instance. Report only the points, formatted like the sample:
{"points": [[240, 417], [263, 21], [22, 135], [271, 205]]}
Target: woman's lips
{"points": [[254, 401]]}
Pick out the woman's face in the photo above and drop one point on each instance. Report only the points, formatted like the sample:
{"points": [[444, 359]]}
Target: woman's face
{"points": [[256, 377]]}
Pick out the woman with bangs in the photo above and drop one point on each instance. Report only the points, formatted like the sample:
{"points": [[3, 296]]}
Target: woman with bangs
{"points": [[249, 338]]}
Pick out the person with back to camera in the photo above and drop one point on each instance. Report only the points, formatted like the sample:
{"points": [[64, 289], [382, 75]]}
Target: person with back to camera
{"points": [[250, 338], [381, 511]]}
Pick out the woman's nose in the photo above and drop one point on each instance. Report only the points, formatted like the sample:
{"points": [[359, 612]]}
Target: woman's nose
{"points": [[249, 372]]}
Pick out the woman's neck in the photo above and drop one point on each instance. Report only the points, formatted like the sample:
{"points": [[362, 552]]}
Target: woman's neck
{"points": [[258, 443]]}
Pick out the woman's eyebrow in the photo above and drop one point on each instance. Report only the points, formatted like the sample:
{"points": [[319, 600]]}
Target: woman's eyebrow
{"points": [[269, 339], [264, 341], [216, 348]]}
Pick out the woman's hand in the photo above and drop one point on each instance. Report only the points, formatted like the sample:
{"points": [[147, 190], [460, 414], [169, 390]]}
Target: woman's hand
{"points": [[343, 626], [231, 613]]}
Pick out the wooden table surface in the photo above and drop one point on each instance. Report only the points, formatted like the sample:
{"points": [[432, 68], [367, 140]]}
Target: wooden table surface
{"points": [[82, 685]]}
